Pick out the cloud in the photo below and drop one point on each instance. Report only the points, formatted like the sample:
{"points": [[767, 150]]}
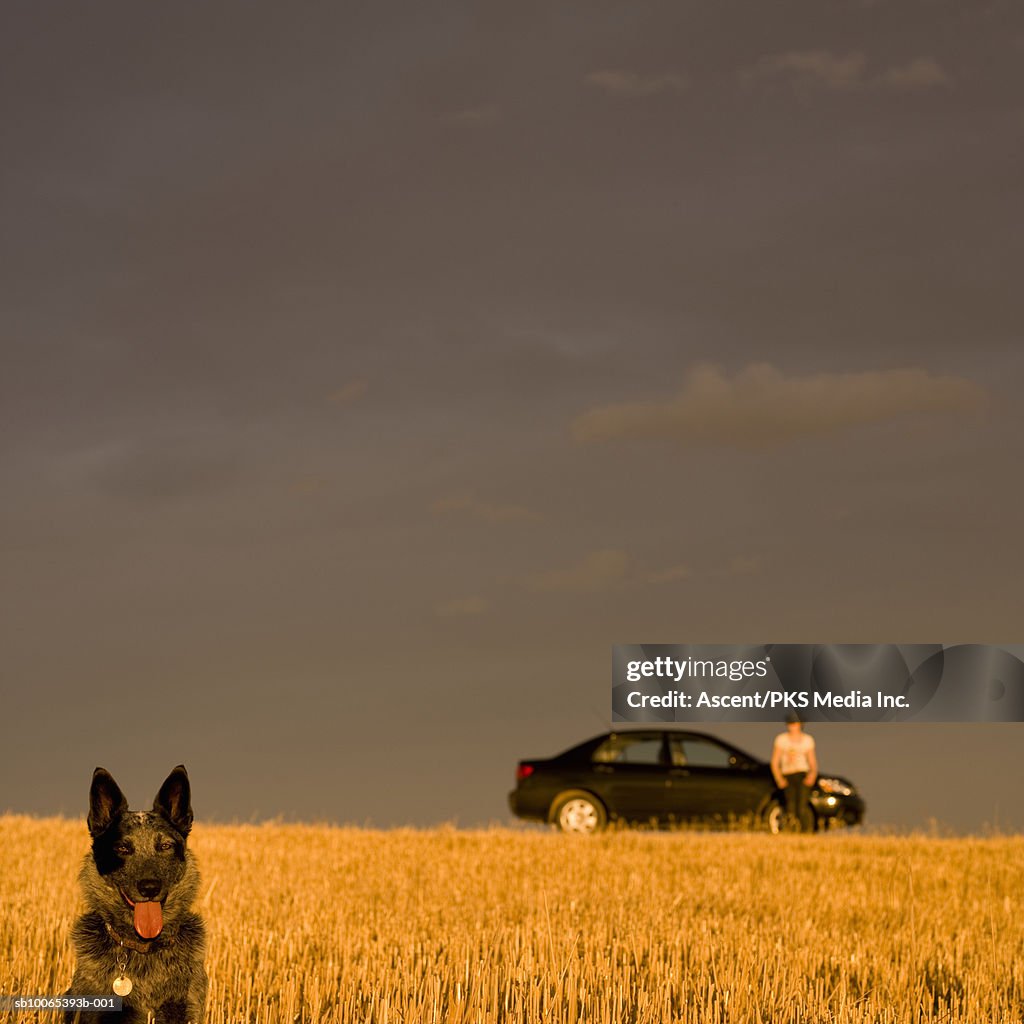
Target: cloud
{"points": [[761, 406], [744, 565], [608, 568], [920, 73], [472, 115], [350, 392], [818, 66], [630, 85], [309, 483], [460, 607], [158, 468], [596, 571], [611, 568], [485, 511], [670, 574], [847, 72]]}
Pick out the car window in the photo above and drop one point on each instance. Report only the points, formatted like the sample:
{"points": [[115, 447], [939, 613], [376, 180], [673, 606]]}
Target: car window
{"points": [[629, 750], [698, 753]]}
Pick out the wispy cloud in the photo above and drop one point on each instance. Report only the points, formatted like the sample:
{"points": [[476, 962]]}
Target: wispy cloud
{"points": [[309, 483], [744, 565], [761, 406], [846, 72], [820, 66], [483, 114], [631, 85], [461, 607], [596, 571], [612, 568], [485, 511], [920, 73], [670, 574], [160, 468], [350, 392]]}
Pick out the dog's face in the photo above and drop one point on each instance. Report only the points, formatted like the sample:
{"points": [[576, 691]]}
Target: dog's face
{"points": [[140, 856]]}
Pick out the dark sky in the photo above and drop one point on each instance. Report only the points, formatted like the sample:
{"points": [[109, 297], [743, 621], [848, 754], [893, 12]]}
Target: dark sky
{"points": [[370, 369]]}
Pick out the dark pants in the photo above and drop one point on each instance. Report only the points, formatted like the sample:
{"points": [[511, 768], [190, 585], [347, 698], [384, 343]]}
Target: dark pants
{"points": [[798, 807]]}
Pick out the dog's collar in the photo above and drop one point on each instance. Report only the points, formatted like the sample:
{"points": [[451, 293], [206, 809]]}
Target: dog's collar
{"points": [[141, 945]]}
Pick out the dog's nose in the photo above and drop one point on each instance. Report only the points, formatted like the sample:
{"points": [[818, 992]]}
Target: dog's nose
{"points": [[148, 887]]}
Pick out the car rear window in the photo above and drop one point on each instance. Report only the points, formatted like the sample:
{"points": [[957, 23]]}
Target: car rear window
{"points": [[629, 750], [700, 753]]}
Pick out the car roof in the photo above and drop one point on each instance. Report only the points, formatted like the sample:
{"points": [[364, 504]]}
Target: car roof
{"points": [[652, 730]]}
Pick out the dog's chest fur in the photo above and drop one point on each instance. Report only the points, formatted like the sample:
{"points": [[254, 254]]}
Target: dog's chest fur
{"points": [[166, 973]]}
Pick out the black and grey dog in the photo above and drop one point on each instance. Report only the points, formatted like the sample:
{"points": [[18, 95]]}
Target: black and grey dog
{"points": [[139, 937]]}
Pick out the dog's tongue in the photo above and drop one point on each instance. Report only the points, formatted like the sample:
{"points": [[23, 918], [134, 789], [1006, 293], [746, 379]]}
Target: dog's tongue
{"points": [[149, 919]]}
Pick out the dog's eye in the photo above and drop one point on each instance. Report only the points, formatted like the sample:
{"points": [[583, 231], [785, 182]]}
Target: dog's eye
{"points": [[123, 849], [164, 844]]}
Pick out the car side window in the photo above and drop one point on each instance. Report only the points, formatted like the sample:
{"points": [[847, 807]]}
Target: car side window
{"points": [[629, 750], [698, 753]]}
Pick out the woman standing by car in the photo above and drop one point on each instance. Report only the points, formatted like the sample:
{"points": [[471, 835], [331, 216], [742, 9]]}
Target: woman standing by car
{"points": [[795, 767]]}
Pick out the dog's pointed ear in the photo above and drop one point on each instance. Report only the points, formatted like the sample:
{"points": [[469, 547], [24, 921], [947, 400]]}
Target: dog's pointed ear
{"points": [[106, 802], [174, 801]]}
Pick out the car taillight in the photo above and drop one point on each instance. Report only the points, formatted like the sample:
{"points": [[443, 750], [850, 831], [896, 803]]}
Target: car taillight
{"points": [[524, 771]]}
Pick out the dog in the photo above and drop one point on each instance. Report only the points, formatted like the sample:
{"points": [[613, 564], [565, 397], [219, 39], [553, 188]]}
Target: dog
{"points": [[138, 937]]}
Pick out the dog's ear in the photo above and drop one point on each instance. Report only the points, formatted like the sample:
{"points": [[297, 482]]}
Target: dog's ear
{"points": [[106, 802], [174, 801]]}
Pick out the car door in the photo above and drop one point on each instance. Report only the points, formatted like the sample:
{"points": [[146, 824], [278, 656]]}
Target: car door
{"points": [[631, 774], [710, 780]]}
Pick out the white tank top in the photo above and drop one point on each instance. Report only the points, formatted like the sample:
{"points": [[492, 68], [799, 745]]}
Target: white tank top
{"points": [[794, 752]]}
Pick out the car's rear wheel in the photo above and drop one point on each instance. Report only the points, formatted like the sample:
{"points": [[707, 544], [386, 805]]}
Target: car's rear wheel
{"points": [[578, 812]]}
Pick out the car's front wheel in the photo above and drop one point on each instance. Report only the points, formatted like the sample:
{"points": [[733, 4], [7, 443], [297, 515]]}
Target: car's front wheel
{"points": [[578, 812]]}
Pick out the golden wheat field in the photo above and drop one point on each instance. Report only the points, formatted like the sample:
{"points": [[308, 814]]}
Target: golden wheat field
{"points": [[314, 923]]}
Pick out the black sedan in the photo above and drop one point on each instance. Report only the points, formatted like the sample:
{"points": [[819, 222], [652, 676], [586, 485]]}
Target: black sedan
{"points": [[665, 776]]}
